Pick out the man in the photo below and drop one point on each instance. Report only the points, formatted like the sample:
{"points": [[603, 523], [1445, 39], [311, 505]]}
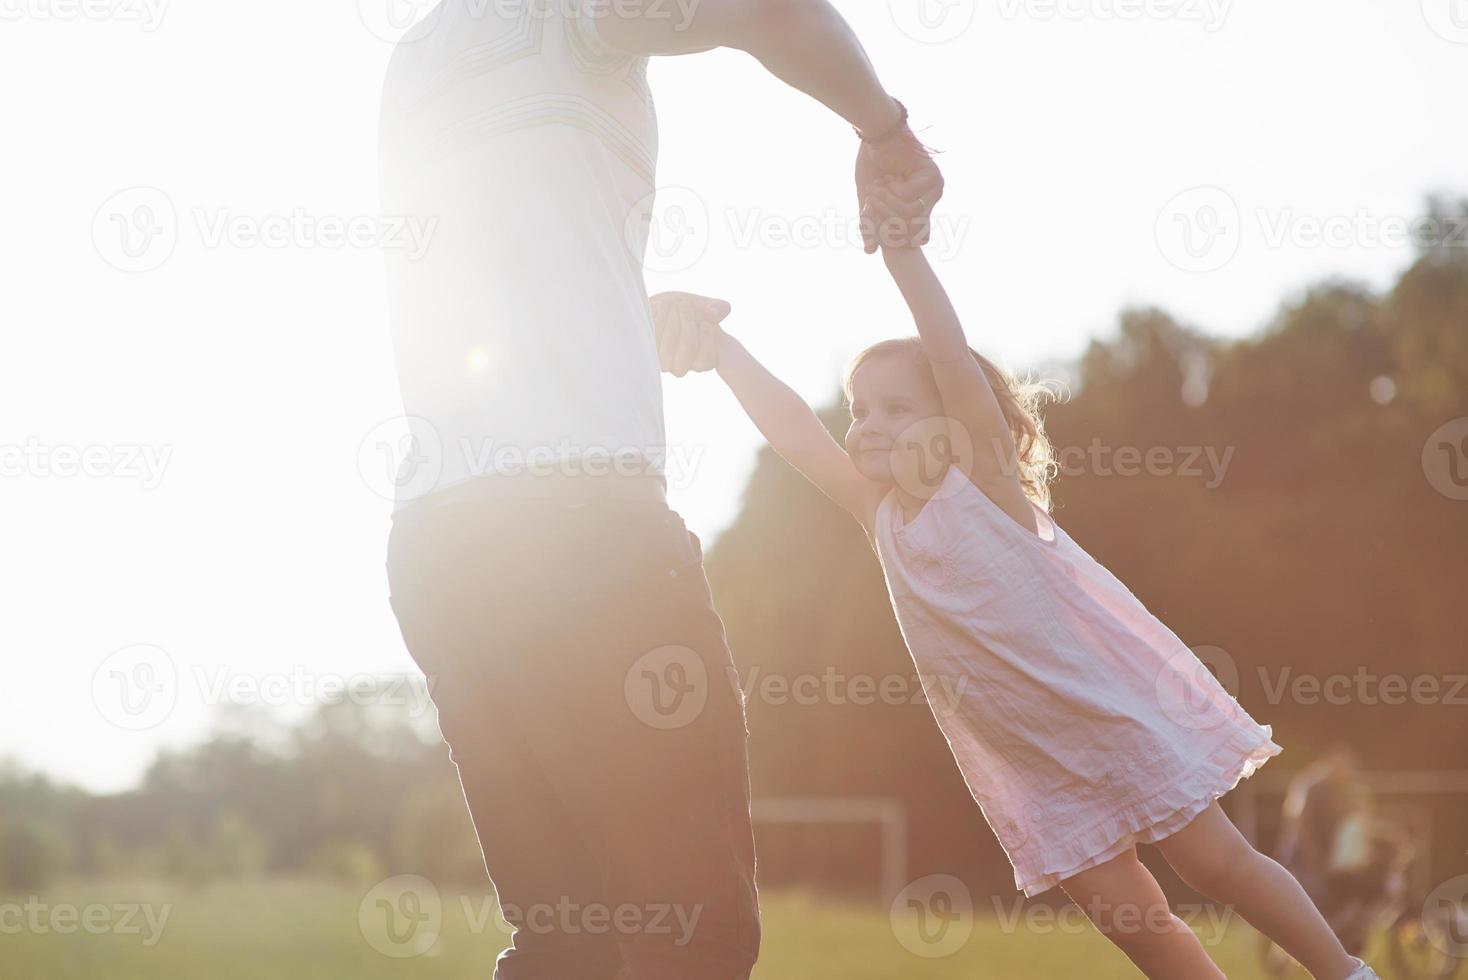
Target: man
{"points": [[540, 579]]}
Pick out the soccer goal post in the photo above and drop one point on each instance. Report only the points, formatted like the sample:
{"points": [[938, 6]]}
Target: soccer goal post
{"points": [[889, 815]]}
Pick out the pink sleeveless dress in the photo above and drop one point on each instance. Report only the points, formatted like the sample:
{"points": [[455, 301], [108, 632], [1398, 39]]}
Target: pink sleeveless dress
{"points": [[1081, 723]]}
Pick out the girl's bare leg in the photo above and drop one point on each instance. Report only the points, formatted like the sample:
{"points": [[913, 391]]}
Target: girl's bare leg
{"points": [[1127, 906], [1214, 858]]}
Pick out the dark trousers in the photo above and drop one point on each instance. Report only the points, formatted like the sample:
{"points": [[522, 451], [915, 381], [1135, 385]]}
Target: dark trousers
{"points": [[585, 688]]}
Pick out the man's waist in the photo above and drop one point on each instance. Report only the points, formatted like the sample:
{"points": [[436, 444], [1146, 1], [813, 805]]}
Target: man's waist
{"points": [[643, 485]]}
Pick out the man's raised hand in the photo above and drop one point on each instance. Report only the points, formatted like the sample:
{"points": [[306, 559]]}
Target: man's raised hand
{"points": [[688, 331], [890, 215], [905, 167]]}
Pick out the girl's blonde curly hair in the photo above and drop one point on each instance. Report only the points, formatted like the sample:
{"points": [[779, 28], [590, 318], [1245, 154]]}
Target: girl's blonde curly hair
{"points": [[1022, 401]]}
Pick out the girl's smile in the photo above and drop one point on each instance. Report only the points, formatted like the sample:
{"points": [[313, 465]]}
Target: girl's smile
{"points": [[889, 396]]}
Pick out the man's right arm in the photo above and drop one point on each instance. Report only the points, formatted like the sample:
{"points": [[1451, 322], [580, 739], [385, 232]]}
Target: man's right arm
{"points": [[805, 43]]}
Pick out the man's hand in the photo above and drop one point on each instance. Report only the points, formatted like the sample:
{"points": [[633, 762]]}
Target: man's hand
{"points": [[904, 167], [890, 216], [688, 331]]}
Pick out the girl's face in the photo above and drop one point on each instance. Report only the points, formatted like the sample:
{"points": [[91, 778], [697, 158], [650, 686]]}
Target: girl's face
{"points": [[890, 396]]}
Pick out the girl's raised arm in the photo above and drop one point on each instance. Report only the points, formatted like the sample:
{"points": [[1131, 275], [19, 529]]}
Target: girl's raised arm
{"points": [[968, 398], [781, 415], [794, 430]]}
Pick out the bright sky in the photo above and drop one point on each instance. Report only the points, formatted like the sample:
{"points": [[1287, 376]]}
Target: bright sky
{"points": [[179, 458]]}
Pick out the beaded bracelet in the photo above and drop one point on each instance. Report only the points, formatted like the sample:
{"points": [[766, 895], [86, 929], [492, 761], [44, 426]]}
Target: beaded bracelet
{"points": [[896, 128]]}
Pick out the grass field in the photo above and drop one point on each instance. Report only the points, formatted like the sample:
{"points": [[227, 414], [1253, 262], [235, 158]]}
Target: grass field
{"points": [[302, 930]]}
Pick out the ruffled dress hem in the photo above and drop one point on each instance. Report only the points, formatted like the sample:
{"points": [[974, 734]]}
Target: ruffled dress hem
{"points": [[1160, 816]]}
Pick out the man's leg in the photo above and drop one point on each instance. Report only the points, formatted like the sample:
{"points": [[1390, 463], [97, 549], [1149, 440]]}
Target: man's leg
{"points": [[650, 756], [542, 870], [532, 851], [601, 652]]}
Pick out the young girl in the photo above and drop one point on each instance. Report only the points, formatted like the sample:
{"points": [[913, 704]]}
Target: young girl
{"points": [[1084, 725]]}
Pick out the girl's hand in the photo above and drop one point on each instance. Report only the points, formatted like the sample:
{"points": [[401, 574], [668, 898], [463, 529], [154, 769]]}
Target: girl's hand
{"points": [[889, 217], [688, 331], [904, 166]]}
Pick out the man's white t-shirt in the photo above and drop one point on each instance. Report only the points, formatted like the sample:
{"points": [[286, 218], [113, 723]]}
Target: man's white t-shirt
{"points": [[523, 334]]}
